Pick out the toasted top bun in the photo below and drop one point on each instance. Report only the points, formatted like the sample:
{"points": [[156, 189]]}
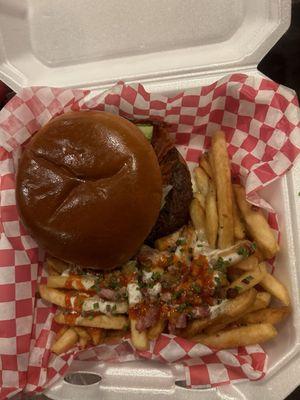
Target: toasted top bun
{"points": [[89, 188]]}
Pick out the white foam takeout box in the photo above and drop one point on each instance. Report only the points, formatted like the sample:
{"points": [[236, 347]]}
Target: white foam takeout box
{"points": [[168, 45]]}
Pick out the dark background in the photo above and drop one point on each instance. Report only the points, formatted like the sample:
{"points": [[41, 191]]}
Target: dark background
{"points": [[282, 64]]}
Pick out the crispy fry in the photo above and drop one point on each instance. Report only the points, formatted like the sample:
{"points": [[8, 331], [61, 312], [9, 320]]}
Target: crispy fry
{"points": [[139, 339], [249, 279], [201, 180], [239, 228], [222, 178], [65, 342], [201, 198], [114, 337], [204, 163], [256, 224], [262, 300], [97, 335], [61, 331], [53, 295], [247, 264], [197, 215], [167, 242], [243, 336], [211, 216], [276, 288], [76, 282], [82, 332], [56, 264], [156, 330], [99, 321], [229, 309], [267, 315]]}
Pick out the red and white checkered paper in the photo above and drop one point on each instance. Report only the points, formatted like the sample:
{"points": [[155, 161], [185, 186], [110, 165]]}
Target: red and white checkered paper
{"points": [[261, 121]]}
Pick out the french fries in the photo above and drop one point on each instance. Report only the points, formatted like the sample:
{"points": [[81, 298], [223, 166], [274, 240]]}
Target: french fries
{"points": [[247, 264], [238, 225], [97, 335], [242, 336], [139, 339], [201, 198], [156, 329], [99, 321], [222, 178], [202, 181], [205, 165], [65, 342], [276, 289], [197, 215], [256, 224], [167, 242], [54, 296], [267, 315], [211, 216], [249, 279]]}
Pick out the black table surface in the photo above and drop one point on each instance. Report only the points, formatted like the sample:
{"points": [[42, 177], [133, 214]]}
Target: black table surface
{"points": [[282, 64]]}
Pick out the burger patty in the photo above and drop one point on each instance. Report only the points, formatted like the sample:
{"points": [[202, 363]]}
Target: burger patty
{"points": [[175, 212]]}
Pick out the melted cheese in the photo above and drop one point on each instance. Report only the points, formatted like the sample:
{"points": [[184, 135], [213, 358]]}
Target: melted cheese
{"points": [[97, 304], [155, 290], [134, 294]]}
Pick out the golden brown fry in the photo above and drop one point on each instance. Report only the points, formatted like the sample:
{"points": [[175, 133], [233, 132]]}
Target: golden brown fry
{"points": [[65, 342], [247, 264], [267, 315], [222, 178], [82, 332], [276, 288], [197, 215], [211, 216], [167, 242], [243, 336], [139, 339], [61, 331], [99, 321], [229, 309], [201, 198], [97, 335], [56, 264], [239, 228], [262, 300], [156, 330], [204, 163], [256, 224], [201, 180], [55, 296], [249, 279]]}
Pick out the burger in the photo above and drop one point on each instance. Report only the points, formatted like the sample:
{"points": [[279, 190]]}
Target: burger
{"points": [[92, 187]]}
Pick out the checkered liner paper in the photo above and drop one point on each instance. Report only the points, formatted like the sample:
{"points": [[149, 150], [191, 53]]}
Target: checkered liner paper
{"points": [[261, 122]]}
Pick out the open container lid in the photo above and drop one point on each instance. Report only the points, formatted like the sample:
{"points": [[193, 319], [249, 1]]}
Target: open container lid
{"points": [[94, 43]]}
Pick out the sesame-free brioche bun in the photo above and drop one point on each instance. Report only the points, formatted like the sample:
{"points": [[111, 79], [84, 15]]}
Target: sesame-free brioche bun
{"points": [[89, 188]]}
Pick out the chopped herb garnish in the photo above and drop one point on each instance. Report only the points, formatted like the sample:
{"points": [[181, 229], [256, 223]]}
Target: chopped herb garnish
{"points": [[199, 245], [221, 264], [248, 279], [254, 246], [196, 288], [183, 306], [177, 294], [108, 308], [180, 241], [91, 317], [238, 288], [95, 306], [114, 308], [242, 251], [155, 276], [298, 193], [113, 282], [181, 250], [190, 250], [217, 280]]}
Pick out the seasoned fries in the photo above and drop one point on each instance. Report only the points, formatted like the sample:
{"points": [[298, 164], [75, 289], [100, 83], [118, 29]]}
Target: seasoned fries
{"points": [[211, 216], [197, 215], [269, 315], [203, 282], [222, 178], [243, 336], [276, 289], [256, 224]]}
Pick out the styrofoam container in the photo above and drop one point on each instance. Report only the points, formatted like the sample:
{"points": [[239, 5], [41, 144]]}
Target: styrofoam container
{"points": [[168, 45]]}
